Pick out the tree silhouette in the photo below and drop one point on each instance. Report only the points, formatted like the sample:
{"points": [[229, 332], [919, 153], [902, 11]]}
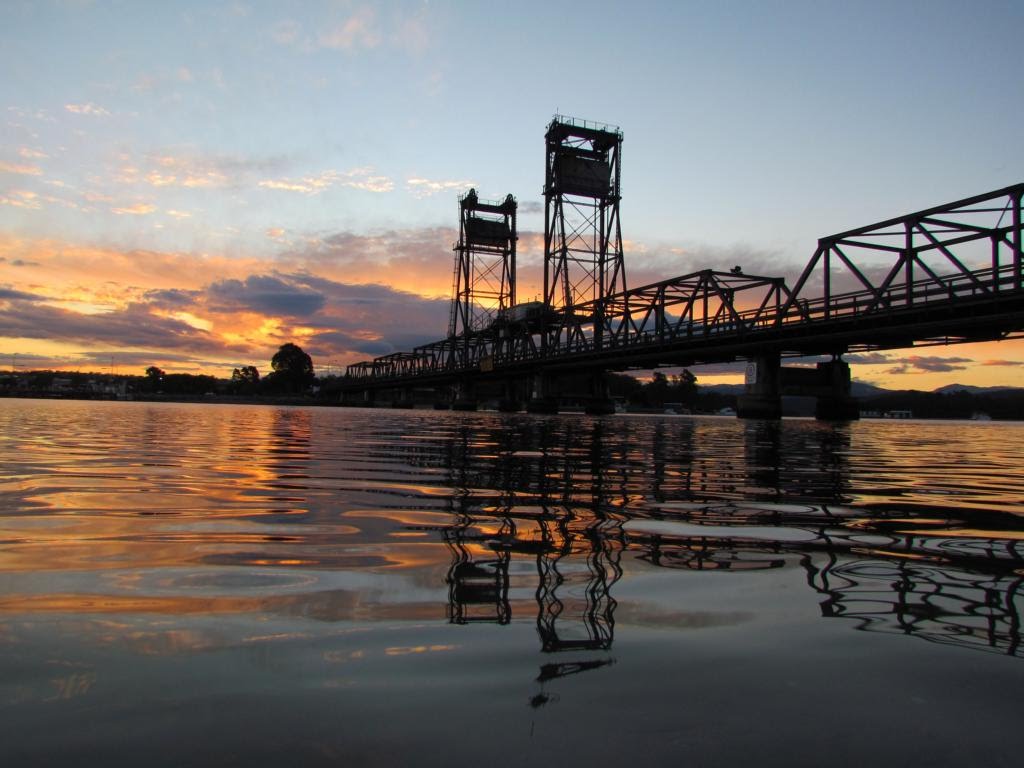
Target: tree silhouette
{"points": [[244, 380], [293, 369], [684, 386], [154, 378]]}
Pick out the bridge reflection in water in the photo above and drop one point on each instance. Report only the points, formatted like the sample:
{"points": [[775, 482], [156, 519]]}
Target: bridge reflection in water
{"points": [[573, 544], [547, 537]]}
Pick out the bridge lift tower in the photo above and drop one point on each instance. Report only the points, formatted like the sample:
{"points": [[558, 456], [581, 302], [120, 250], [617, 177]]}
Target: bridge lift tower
{"points": [[583, 259], [484, 283], [582, 236]]}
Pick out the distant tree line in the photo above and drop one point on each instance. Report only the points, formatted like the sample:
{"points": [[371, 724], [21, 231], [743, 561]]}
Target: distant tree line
{"points": [[678, 390], [292, 375]]}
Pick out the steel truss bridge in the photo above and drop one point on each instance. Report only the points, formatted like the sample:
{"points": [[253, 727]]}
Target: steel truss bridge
{"points": [[950, 274]]}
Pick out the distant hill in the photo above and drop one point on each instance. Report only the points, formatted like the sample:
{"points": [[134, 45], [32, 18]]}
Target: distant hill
{"points": [[953, 401], [970, 389], [857, 389], [863, 389], [723, 389]]}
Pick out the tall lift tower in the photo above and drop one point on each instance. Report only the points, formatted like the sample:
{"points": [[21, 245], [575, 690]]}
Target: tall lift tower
{"points": [[582, 236], [484, 283]]}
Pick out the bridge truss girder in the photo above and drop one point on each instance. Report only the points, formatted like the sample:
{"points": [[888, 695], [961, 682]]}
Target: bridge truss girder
{"points": [[699, 304], [971, 245]]}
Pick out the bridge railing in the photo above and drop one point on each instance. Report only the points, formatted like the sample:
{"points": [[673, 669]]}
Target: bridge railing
{"points": [[950, 288]]}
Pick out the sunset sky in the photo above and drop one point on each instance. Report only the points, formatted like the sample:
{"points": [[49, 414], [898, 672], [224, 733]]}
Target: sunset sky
{"points": [[193, 184]]}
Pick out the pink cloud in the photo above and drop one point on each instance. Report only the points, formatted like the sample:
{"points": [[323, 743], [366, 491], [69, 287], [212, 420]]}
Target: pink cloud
{"points": [[138, 209], [357, 31], [86, 109], [427, 187], [21, 170], [21, 198], [358, 178]]}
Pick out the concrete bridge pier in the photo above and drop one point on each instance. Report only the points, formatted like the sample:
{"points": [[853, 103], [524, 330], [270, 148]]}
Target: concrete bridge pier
{"points": [[542, 397], [442, 398], [511, 396], [834, 400], [763, 398], [599, 403], [402, 398], [464, 396]]}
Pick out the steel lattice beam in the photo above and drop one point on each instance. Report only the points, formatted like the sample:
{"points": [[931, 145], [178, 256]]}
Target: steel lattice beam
{"points": [[975, 241]]}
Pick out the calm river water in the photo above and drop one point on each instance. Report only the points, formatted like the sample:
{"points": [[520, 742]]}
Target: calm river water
{"points": [[236, 585]]}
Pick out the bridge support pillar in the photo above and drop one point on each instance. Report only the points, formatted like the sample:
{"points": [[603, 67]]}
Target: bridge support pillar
{"points": [[542, 400], [763, 398], [835, 402], [511, 396], [402, 399], [443, 398], [599, 403], [464, 396], [368, 398]]}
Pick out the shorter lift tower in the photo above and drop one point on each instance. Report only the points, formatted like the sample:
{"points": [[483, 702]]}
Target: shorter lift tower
{"points": [[484, 283]]}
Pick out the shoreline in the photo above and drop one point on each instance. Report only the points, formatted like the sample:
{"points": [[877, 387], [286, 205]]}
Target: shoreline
{"points": [[311, 402]]}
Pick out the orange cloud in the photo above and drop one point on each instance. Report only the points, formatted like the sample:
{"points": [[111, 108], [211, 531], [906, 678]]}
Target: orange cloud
{"points": [[358, 178], [75, 304], [160, 180], [21, 198], [21, 170], [208, 179], [168, 171], [344, 297], [139, 209]]}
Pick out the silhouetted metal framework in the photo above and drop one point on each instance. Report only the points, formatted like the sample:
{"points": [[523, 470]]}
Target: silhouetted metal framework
{"points": [[949, 274], [484, 283], [963, 250], [583, 259]]}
